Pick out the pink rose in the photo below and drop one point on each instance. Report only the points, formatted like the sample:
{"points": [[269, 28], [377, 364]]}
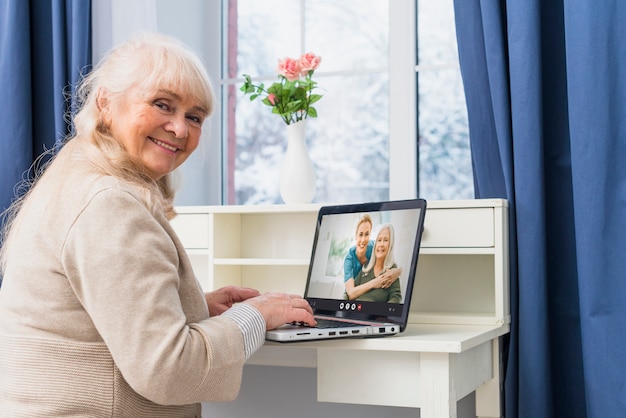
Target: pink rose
{"points": [[308, 62], [289, 68], [272, 99]]}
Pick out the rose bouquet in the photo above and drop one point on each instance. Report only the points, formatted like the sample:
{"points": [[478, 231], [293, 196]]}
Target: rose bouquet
{"points": [[292, 95]]}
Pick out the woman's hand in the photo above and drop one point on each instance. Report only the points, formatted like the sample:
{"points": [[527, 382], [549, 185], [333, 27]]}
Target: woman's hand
{"points": [[280, 308], [387, 277], [223, 299]]}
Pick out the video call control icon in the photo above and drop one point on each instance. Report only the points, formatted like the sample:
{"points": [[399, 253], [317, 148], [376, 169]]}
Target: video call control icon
{"points": [[350, 306]]}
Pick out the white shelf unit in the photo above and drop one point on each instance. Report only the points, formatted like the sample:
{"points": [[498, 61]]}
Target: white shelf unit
{"points": [[264, 247], [460, 304], [462, 275]]}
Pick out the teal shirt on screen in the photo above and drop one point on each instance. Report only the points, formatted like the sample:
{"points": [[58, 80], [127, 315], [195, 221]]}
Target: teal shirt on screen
{"points": [[351, 264]]}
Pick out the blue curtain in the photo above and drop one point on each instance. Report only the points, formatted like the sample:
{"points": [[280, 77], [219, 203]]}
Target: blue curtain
{"points": [[45, 45], [545, 85]]}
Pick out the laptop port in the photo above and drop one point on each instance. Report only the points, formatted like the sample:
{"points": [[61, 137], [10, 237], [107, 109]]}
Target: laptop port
{"points": [[343, 332], [331, 333], [356, 331]]}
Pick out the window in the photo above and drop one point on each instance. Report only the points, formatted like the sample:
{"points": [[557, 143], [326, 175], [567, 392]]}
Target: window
{"points": [[364, 142]]}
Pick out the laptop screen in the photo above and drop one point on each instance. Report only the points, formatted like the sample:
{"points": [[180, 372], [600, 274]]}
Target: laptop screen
{"points": [[355, 246]]}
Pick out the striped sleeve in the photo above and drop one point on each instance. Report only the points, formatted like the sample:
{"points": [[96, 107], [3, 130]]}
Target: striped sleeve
{"points": [[252, 325]]}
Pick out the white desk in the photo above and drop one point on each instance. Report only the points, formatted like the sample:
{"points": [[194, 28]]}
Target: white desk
{"points": [[429, 367], [459, 309]]}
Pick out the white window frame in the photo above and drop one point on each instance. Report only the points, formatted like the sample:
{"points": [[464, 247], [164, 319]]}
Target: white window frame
{"points": [[403, 152]]}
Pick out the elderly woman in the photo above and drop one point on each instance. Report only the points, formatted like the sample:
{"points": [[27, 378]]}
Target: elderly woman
{"points": [[358, 256], [100, 312], [373, 283]]}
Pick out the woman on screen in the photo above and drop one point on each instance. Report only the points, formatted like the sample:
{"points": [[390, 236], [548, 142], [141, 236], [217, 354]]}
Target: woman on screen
{"points": [[359, 255], [375, 283]]}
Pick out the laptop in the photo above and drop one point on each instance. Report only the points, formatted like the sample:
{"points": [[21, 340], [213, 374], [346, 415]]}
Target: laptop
{"points": [[378, 311]]}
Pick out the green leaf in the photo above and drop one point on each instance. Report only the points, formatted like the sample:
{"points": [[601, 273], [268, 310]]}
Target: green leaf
{"points": [[294, 106], [267, 102], [314, 98], [312, 112], [300, 94], [275, 89], [277, 111]]}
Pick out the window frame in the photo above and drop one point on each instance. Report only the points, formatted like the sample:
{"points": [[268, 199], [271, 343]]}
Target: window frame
{"points": [[403, 117]]}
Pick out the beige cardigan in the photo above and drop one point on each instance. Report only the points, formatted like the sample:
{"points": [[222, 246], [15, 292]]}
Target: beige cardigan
{"points": [[101, 315]]}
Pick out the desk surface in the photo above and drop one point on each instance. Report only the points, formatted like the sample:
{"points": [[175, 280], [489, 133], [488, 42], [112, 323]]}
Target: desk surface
{"points": [[425, 338]]}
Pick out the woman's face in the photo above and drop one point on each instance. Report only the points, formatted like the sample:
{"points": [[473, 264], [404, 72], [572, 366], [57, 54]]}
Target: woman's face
{"points": [[383, 242], [363, 232], [161, 128]]}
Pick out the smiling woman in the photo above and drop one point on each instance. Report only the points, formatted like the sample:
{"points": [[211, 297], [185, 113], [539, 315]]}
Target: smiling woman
{"points": [[106, 310], [159, 128], [167, 105]]}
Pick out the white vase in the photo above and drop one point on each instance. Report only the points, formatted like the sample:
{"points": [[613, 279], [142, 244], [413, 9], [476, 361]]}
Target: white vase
{"points": [[297, 177]]}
